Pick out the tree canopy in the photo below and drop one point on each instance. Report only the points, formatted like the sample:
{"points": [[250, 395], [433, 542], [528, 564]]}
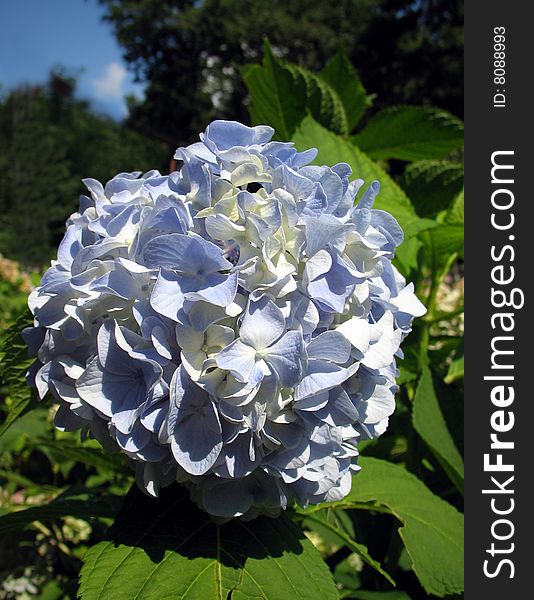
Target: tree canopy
{"points": [[49, 141], [190, 52]]}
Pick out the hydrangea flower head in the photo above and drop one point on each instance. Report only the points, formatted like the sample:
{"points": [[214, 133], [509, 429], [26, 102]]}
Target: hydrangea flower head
{"points": [[232, 326]]}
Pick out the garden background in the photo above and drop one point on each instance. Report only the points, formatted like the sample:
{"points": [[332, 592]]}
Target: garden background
{"points": [[378, 84]]}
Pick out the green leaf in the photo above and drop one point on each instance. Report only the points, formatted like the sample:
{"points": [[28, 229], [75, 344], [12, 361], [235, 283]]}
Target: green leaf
{"points": [[432, 185], [52, 591], [344, 79], [282, 93], [83, 506], [278, 98], [444, 241], [333, 149], [405, 376], [407, 258], [320, 522], [21, 403], [432, 529], [92, 457], [455, 214], [25, 429], [411, 133], [456, 370], [14, 362], [169, 549], [430, 424], [322, 101]]}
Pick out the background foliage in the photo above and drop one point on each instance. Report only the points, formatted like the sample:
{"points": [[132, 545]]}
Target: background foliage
{"points": [[190, 53], [398, 535], [49, 141]]}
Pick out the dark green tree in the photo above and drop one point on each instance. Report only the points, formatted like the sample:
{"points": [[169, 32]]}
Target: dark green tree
{"points": [[189, 52], [49, 141]]}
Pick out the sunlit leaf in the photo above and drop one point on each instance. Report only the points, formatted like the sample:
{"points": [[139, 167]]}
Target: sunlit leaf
{"points": [[432, 529], [333, 149], [430, 424], [169, 549], [14, 362], [342, 76], [411, 133]]}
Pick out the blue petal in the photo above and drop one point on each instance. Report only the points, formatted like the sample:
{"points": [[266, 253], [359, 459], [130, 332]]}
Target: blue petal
{"points": [[315, 203], [196, 444], [322, 231], [238, 358], [118, 282], [388, 225], [262, 324], [221, 135], [227, 497], [330, 345], [339, 410], [368, 199], [185, 254], [287, 357], [216, 289], [167, 297], [298, 186], [320, 376], [240, 457], [135, 441]]}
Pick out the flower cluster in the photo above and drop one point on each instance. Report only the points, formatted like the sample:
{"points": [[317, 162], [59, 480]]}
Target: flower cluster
{"points": [[232, 326]]}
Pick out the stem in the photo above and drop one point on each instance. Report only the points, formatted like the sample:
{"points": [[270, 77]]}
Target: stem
{"points": [[445, 316], [424, 338], [437, 278]]}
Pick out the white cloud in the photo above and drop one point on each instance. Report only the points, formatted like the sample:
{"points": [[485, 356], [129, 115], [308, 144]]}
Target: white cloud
{"points": [[110, 87]]}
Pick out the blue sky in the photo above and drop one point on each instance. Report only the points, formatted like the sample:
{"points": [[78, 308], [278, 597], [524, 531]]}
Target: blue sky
{"points": [[40, 34]]}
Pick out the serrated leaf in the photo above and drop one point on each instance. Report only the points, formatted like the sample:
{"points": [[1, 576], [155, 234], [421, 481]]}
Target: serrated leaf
{"points": [[282, 93], [333, 149], [455, 214], [319, 521], [430, 424], [277, 98], [432, 185], [405, 376], [169, 549], [411, 133], [444, 241], [323, 102], [432, 529], [14, 362], [340, 74], [83, 506]]}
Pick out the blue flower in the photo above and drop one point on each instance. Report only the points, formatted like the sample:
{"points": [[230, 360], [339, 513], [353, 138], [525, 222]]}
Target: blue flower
{"points": [[119, 382], [192, 425], [191, 268], [232, 325], [264, 348]]}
